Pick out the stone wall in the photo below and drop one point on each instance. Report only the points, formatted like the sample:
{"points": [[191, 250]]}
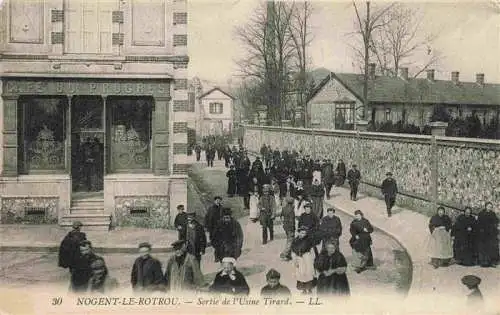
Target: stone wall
{"points": [[16, 210], [455, 171], [157, 215]]}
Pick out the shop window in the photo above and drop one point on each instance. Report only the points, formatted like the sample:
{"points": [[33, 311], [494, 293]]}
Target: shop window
{"points": [[41, 134], [130, 134]]}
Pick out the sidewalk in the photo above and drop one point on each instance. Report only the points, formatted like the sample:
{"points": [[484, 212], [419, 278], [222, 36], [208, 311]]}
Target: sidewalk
{"points": [[411, 230]]}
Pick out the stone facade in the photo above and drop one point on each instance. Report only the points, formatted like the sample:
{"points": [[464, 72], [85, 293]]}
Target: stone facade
{"points": [[463, 172], [29, 210], [153, 211]]}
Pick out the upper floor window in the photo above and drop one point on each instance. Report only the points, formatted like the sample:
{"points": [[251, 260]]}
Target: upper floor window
{"points": [[388, 114], [215, 108], [88, 26]]}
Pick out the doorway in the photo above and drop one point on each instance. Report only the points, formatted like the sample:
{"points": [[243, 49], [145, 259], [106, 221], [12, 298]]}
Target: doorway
{"points": [[87, 145]]}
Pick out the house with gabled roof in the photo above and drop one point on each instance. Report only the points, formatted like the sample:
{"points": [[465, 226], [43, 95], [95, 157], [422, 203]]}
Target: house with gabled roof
{"points": [[216, 110], [338, 100]]}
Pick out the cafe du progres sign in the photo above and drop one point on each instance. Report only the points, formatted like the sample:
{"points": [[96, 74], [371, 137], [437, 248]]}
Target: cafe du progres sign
{"points": [[86, 87]]}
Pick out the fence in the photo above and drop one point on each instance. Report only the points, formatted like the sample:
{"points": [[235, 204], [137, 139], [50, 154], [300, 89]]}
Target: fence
{"points": [[430, 170]]}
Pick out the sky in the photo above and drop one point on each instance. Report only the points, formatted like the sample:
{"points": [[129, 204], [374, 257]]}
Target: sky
{"points": [[468, 36]]}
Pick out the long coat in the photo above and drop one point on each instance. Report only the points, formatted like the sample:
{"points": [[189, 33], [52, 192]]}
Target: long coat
{"points": [[361, 239], [330, 228], [81, 272], [487, 224], [196, 239], [234, 284], [146, 274], [267, 207], [183, 276], [334, 284], [464, 232], [317, 195], [212, 217], [69, 250], [228, 239], [327, 174]]}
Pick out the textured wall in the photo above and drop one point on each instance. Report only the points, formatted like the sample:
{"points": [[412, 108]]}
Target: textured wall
{"points": [[468, 172], [158, 216], [14, 210]]}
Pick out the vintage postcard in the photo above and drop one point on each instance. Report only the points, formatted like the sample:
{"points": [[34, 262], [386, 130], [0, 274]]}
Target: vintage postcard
{"points": [[249, 157]]}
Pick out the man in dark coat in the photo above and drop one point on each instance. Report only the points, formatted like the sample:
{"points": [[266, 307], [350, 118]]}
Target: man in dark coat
{"points": [[341, 171], [274, 288], [182, 273], [328, 177], [288, 219], [82, 272], [389, 190], [213, 216], [487, 224], [232, 179], [229, 280], [354, 177], [227, 239], [69, 250], [464, 233], [180, 222], [309, 220], [196, 239], [197, 150], [267, 208], [330, 227], [146, 272]]}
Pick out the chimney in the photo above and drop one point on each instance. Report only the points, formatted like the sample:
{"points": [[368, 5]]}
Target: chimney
{"points": [[371, 70], [480, 78], [454, 76], [430, 74], [404, 73]]}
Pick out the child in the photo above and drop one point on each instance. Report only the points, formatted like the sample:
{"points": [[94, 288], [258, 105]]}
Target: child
{"points": [[475, 297], [274, 288], [254, 206]]}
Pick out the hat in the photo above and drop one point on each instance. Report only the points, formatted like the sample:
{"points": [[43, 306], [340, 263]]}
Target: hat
{"points": [[180, 207], [229, 260], [85, 243], [77, 224], [272, 274], [354, 165], [145, 244], [358, 212], [307, 205], [471, 280], [388, 174], [178, 244], [226, 211]]}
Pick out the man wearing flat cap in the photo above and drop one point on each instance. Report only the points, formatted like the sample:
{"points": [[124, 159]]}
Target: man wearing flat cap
{"points": [[229, 280], [354, 177], [227, 239], [146, 271], [274, 288], [389, 190], [213, 215], [196, 239], [85, 268], [183, 270], [475, 297], [69, 250], [180, 222]]}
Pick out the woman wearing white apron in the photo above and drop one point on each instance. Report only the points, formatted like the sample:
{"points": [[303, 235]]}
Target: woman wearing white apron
{"points": [[440, 244], [254, 210]]}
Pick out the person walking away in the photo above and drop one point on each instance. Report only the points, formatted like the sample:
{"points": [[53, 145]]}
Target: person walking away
{"points": [[146, 272], [81, 272], [330, 228], [231, 181], [197, 150], [463, 233], [180, 222], [69, 250], [227, 156], [389, 190], [267, 214], [328, 177], [303, 255], [228, 237], [273, 287], [317, 196], [196, 239], [361, 242], [487, 223], [475, 303], [183, 272], [331, 266], [254, 206], [229, 280], [354, 177], [440, 246], [288, 219], [213, 216], [244, 189], [341, 171]]}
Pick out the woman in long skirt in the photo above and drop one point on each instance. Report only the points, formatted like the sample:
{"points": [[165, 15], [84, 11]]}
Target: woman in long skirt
{"points": [[464, 233], [254, 209], [303, 255], [361, 242], [331, 266], [487, 224], [440, 245]]}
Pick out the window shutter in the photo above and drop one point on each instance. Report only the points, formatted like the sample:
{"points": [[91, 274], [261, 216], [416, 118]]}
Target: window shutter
{"points": [[161, 136], [73, 24], [105, 27]]}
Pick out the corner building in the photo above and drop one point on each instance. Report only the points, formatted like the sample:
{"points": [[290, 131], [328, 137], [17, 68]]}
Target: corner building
{"points": [[93, 111]]}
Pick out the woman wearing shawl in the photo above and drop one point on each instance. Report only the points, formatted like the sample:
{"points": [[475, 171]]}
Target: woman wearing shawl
{"points": [[440, 246], [331, 266], [487, 224], [464, 233], [361, 242], [303, 255]]}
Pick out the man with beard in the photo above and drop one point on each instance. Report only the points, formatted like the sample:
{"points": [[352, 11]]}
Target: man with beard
{"points": [[81, 272], [69, 250], [196, 239], [183, 271], [146, 272], [227, 239], [328, 177], [274, 288], [330, 228], [354, 177], [213, 216], [229, 280], [487, 224], [389, 190]]}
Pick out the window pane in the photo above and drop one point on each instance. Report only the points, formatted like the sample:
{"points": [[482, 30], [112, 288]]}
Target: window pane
{"points": [[44, 135], [131, 134]]}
